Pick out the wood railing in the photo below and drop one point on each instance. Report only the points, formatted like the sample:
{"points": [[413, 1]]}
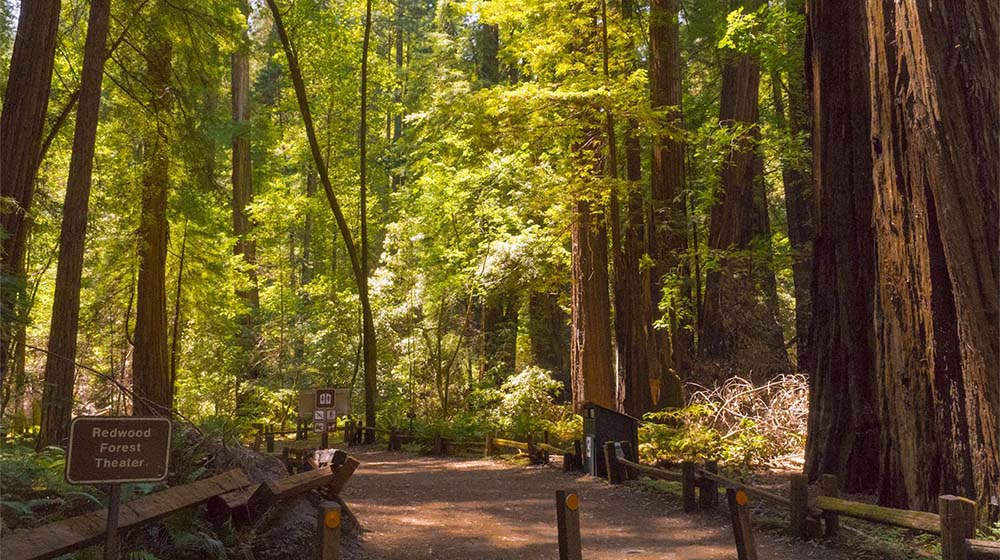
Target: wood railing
{"points": [[810, 516], [230, 494]]}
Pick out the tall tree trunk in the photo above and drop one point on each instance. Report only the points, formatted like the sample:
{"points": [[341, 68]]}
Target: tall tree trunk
{"points": [[500, 314], [21, 126], [739, 331], [934, 100], [633, 307], [843, 431], [549, 336], [798, 205], [397, 98], [150, 367], [369, 329], [591, 362], [668, 236], [242, 181], [368, 323], [60, 363], [175, 332]]}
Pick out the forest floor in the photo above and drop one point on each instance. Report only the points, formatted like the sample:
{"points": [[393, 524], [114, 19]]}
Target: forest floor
{"points": [[448, 508]]}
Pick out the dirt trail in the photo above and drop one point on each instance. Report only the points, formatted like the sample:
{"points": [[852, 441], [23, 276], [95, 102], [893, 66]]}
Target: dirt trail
{"points": [[446, 508]]}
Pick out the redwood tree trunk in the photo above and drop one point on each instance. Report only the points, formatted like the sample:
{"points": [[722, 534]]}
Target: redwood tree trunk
{"points": [[593, 375], [843, 433], [150, 371], [740, 332], [21, 126], [668, 233], [60, 367], [934, 98]]}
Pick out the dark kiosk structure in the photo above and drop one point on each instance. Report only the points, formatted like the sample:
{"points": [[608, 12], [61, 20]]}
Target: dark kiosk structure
{"points": [[603, 424]]}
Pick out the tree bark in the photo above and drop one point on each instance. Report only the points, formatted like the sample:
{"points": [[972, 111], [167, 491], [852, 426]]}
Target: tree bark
{"points": [[591, 363], [843, 430], [668, 236], [934, 148], [368, 323], [740, 332], [21, 124], [60, 363], [150, 366]]}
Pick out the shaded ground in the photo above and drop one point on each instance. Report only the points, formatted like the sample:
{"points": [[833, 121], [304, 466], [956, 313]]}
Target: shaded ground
{"points": [[446, 508]]}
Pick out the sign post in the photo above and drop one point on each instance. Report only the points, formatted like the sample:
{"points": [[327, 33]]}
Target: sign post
{"points": [[116, 449]]}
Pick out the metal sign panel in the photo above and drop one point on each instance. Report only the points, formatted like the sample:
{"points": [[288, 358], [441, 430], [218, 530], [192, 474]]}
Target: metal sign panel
{"points": [[111, 449]]}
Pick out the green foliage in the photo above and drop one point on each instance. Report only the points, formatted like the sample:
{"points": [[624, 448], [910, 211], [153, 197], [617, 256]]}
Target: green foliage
{"points": [[686, 434], [526, 403], [34, 490]]}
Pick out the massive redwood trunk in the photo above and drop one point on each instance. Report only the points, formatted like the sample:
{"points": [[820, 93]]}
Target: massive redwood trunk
{"points": [[843, 436], [21, 126], [739, 331], [57, 396], [668, 232], [150, 371], [934, 99]]}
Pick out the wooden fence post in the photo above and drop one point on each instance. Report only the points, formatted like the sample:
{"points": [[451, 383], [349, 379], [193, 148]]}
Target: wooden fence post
{"points": [[611, 463], [688, 486], [438, 446], [568, 523], [577, 455], [958, 522], [269, 438], [746, 544], [287, 459], [347, 433], [830, 486], [532, 451], [709, 488], [488, 452], [324, 439], [799, 509], [628, 453], [328, 531]]}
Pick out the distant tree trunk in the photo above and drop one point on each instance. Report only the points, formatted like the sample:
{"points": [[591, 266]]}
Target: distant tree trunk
{"points": [[798, 206], [21, 126], [500, 314], [739, 331], [668, 232], [175, 332], [242, 180], [60, 363], [591, 363], [368, 331], [397, 98], [934, 99], [633, 308], [368, 323], [843, 432], [487, 42], [150, 367], [549, 335]]}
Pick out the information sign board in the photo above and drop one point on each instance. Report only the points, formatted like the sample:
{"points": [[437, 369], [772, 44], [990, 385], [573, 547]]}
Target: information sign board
{"points": [[114, 449]]}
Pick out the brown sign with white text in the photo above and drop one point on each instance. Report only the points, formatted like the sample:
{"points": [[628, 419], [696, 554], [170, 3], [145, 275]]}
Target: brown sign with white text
{"points": [[109, 449]]}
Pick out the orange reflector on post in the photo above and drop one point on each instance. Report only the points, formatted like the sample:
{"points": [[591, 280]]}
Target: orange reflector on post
{"points": [[741, 498], [572, 501], [332, 519]]}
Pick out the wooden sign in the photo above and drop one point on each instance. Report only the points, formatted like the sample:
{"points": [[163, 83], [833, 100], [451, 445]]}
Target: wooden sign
{"points": [[113, 449]]}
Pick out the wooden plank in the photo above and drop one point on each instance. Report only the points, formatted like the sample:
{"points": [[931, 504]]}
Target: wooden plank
{"points": [[509, 443], [341, 475], [54, 539], [751, 491], [553, 449], [917, 520], [271, 491], [652, 472], [982, 550]]}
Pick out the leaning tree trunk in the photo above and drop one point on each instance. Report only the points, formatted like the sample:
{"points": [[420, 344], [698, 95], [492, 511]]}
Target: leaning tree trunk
{"points": [[934, 98], [668, 232], [60, 364], [739, 331], [843, 432], [21, 126], [150, 366], [368, 324]]}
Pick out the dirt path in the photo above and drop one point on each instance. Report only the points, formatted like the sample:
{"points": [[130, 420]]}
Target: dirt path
{"points": [[446, 508]]}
